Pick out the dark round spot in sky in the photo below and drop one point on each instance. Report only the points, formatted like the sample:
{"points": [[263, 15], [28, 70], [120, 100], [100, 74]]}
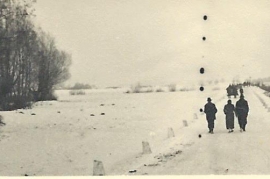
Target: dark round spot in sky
{"points": [[205, 17], [204, 38], [201, 88], [202, 70], [201, 110], [200, 135]]}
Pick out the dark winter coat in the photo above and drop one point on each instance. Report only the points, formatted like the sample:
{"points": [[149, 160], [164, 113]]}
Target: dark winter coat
{"points": [[210, 111], [242, 108], [229, 112]]}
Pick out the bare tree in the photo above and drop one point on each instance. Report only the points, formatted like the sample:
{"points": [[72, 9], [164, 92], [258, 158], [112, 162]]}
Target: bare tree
{"points": [[53, 66], [30, 63]]}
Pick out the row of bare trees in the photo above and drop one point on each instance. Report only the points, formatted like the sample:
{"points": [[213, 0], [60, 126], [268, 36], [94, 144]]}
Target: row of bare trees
{"points": [[30, 63]]}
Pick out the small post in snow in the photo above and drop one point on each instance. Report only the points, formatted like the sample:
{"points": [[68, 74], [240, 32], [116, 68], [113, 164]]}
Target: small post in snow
{"points": [[170, 133], [185, 123], [146, 148], [98, 169]]}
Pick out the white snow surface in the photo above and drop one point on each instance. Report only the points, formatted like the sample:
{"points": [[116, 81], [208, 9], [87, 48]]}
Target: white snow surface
{"points": [[61, 138]]}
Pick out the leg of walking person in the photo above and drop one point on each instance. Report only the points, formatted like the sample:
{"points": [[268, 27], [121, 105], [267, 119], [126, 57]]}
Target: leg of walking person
{"points": [[244, 124], [209, 125], [227, 123], [240, 120], [232, 127], [212, 125]]}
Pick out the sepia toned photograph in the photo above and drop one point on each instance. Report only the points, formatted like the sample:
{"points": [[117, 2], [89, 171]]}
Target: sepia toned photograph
{"points": [[134, 88]]}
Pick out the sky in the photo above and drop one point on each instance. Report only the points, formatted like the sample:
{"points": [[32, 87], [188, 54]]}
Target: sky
{"points": [[159, 42]]}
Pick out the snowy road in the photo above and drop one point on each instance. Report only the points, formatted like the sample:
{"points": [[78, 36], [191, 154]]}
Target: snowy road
{"points": [[63, 139], [222, 152]]}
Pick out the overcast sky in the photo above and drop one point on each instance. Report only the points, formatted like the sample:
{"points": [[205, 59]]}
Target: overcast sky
{"points": [[122, 42]]}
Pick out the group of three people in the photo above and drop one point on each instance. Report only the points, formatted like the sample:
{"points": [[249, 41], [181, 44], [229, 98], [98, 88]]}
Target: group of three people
{"points": [[240, 110]]}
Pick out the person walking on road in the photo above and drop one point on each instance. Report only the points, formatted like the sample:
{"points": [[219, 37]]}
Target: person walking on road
{"points": [[229, 112], [210, 110], [242, 110]]}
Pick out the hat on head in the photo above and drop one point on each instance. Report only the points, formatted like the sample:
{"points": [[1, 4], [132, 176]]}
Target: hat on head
{"points": [[209, 99]]}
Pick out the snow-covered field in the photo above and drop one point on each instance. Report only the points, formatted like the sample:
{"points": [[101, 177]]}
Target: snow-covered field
{"points": [[64, 137]]}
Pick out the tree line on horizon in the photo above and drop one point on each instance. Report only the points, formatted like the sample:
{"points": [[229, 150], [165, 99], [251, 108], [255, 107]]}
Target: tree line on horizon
{"points": [[31, 65], [78, 86]]}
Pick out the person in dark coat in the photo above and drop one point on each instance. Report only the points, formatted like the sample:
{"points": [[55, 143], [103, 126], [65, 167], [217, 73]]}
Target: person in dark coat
{"points": [[241, 91], [242, 110], [229, 90], [210, 111], [235, 93], [229, 112]]}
